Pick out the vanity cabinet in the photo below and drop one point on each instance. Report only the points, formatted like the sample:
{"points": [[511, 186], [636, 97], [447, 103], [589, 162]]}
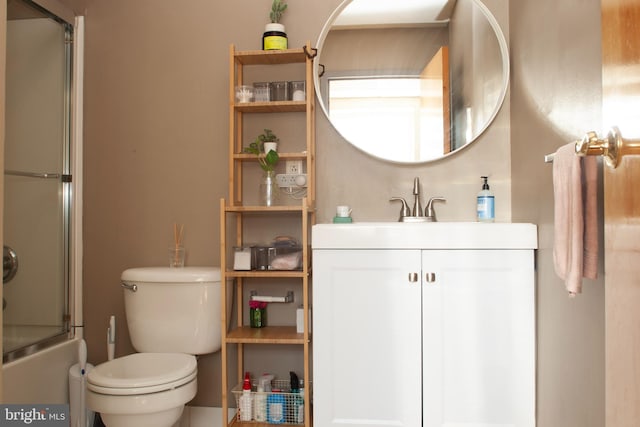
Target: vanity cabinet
{"points": [[422, 337]]}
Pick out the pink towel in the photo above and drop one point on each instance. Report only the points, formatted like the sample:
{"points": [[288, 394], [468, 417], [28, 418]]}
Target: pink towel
{"points": [[575, 248]]}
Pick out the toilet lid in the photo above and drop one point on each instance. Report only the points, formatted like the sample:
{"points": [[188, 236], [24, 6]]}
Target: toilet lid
{"points": [[141, 373]]}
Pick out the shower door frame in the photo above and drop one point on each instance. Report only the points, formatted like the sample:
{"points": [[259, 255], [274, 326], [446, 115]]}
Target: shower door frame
{"points": [[71, 179]]}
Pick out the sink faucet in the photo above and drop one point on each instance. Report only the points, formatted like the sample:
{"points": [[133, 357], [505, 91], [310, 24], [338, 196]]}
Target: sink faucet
{"points": [[417, 208], [416, 214], [429, 212]]}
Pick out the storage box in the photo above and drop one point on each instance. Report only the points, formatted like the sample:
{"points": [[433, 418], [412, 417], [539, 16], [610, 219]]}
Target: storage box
{"points": [[261, 92], [243, 258], [297, 90], [275, 407], [279, 91], [278, 258]]}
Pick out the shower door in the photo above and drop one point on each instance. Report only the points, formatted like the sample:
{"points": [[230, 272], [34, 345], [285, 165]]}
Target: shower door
{"points": [[36, 179]]}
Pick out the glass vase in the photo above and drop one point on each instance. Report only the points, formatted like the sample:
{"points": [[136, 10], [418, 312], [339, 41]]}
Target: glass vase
{"points": [[269, 189], [258, 317]]}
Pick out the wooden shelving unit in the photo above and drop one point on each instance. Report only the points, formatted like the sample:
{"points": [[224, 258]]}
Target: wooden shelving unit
{"points": [[234, 213]]}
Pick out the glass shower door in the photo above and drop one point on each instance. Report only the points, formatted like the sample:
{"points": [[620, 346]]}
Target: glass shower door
{"points": [[37, 177]]}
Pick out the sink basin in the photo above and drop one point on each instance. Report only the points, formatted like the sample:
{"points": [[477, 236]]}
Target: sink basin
{"points": [[425, 235]]}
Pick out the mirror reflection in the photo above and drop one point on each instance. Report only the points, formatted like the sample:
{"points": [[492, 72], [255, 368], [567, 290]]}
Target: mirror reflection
{"points": [[411, 81]]}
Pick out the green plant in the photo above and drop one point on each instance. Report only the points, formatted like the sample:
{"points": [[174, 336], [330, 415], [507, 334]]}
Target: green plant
{"points": [[267, 161], [277, 9]]}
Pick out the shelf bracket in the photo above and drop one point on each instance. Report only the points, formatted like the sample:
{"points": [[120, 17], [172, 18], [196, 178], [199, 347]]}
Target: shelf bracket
{"points": [[312, 54]]}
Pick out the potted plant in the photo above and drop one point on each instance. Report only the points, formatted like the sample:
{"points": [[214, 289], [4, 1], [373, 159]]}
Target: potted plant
{"points": [[275, 37], [268, 162]]}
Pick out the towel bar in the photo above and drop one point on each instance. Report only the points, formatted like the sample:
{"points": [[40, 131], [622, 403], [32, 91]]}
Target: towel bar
{"points": [[613, 147]]}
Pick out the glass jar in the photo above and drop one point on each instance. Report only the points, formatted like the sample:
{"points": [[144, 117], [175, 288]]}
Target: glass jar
{"points": [[258, 317], [279, 91], [274, 37]]}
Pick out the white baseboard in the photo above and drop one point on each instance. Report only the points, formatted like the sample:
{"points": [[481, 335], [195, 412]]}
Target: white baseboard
{"points": [[204, 416]]}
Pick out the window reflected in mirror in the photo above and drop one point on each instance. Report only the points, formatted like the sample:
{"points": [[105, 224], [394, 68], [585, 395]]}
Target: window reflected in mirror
{"points": [[412, 109]]}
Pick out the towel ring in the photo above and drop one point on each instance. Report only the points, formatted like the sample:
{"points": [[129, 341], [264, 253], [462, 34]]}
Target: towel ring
{"points": [[612, 148]]}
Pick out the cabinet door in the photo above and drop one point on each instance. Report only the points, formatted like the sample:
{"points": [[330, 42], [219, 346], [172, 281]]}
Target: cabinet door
{"points": [[478, 324], [366, 338]]}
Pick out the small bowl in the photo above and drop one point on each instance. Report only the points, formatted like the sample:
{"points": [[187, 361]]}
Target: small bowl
{"points": [[244, 94]]}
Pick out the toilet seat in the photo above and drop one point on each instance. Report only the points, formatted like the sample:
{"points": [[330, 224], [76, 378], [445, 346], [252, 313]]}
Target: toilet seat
{"points": [[142, 373]]}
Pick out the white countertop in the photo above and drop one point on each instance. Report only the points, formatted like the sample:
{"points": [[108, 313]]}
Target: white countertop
{"points": [[427, 235]]}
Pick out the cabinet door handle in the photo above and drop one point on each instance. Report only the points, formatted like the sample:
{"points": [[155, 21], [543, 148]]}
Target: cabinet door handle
{"points": [[430, 277], [413, 277]]}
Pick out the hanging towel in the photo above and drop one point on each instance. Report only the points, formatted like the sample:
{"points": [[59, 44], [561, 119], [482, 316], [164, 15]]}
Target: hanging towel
{"points": [[575, 248]]}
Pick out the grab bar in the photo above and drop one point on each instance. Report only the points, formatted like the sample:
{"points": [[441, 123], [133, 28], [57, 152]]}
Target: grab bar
{"points": [[32, 174]]}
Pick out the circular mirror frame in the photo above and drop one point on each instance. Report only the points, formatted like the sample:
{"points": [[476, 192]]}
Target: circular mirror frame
{"points": [[504, 52]]}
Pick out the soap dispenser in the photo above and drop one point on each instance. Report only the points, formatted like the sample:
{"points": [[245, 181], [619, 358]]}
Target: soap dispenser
{"points": [[486, 203]]}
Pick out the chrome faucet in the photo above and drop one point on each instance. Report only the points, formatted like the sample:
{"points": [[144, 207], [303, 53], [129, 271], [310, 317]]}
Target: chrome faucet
{"points": [[417, 207], [404, 210], [429, 212], [417, 214]]}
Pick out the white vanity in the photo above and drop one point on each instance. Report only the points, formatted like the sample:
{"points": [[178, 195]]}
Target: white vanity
{"points": [[427, 324]]}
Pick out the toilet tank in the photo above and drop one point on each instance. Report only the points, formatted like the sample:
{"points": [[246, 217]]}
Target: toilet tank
{"points": [[173, 310]]}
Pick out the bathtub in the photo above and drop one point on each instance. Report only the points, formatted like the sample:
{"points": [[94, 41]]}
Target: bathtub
{"points": [[42, 377], [17, 336]]}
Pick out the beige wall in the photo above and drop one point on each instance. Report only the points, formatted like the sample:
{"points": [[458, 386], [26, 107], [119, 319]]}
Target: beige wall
{"points": [[555, 95], [155, 148]]}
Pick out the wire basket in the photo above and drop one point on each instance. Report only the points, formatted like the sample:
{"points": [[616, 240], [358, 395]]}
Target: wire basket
{"points": [[278, 406]]}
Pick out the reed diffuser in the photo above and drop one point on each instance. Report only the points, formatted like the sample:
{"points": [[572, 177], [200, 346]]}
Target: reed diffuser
{"points": [[176, 252]]}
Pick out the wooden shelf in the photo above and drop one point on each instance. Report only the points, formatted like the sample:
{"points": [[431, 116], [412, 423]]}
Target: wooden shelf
{"points": [[283, 156], [272, 107], [263, 209], [270, 57], [266, 335], [278, 274]]}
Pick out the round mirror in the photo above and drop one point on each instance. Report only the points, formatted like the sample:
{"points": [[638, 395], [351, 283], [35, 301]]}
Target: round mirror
{"points": [[411, 81]]}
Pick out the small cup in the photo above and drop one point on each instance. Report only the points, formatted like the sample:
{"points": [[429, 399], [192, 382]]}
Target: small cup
{"points": [[270, 146], [343, 211], [176, 256]]}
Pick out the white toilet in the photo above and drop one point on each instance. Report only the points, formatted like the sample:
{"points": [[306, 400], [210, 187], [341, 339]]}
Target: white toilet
{"points": [[172, 315]]}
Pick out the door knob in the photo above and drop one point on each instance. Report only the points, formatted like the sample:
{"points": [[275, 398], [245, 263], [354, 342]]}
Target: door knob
{"points": [[413, 277], [430, 277], [613, 147]]}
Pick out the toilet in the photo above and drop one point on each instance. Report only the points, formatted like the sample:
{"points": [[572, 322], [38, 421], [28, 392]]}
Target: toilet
{"points": [[173, 314]]}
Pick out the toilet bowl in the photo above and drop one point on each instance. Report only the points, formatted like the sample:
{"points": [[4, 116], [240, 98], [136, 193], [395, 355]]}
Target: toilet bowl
{"points": [[143, 388], [172, 315]]}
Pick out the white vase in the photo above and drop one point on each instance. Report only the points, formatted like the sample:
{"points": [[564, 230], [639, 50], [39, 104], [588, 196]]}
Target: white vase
{"points": [[270, 146]]}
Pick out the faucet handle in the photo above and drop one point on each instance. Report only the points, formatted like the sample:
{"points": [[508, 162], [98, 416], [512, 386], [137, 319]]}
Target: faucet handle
{"points": [[429, 211], [404, 210]]}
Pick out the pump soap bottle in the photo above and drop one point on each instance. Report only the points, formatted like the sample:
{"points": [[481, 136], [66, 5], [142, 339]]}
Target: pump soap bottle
{"points": [[486, 203]]}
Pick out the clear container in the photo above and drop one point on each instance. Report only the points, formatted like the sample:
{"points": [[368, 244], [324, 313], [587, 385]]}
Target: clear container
{"points": [[261, 92], [297, 90], [244, 94], [279, 91]]}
